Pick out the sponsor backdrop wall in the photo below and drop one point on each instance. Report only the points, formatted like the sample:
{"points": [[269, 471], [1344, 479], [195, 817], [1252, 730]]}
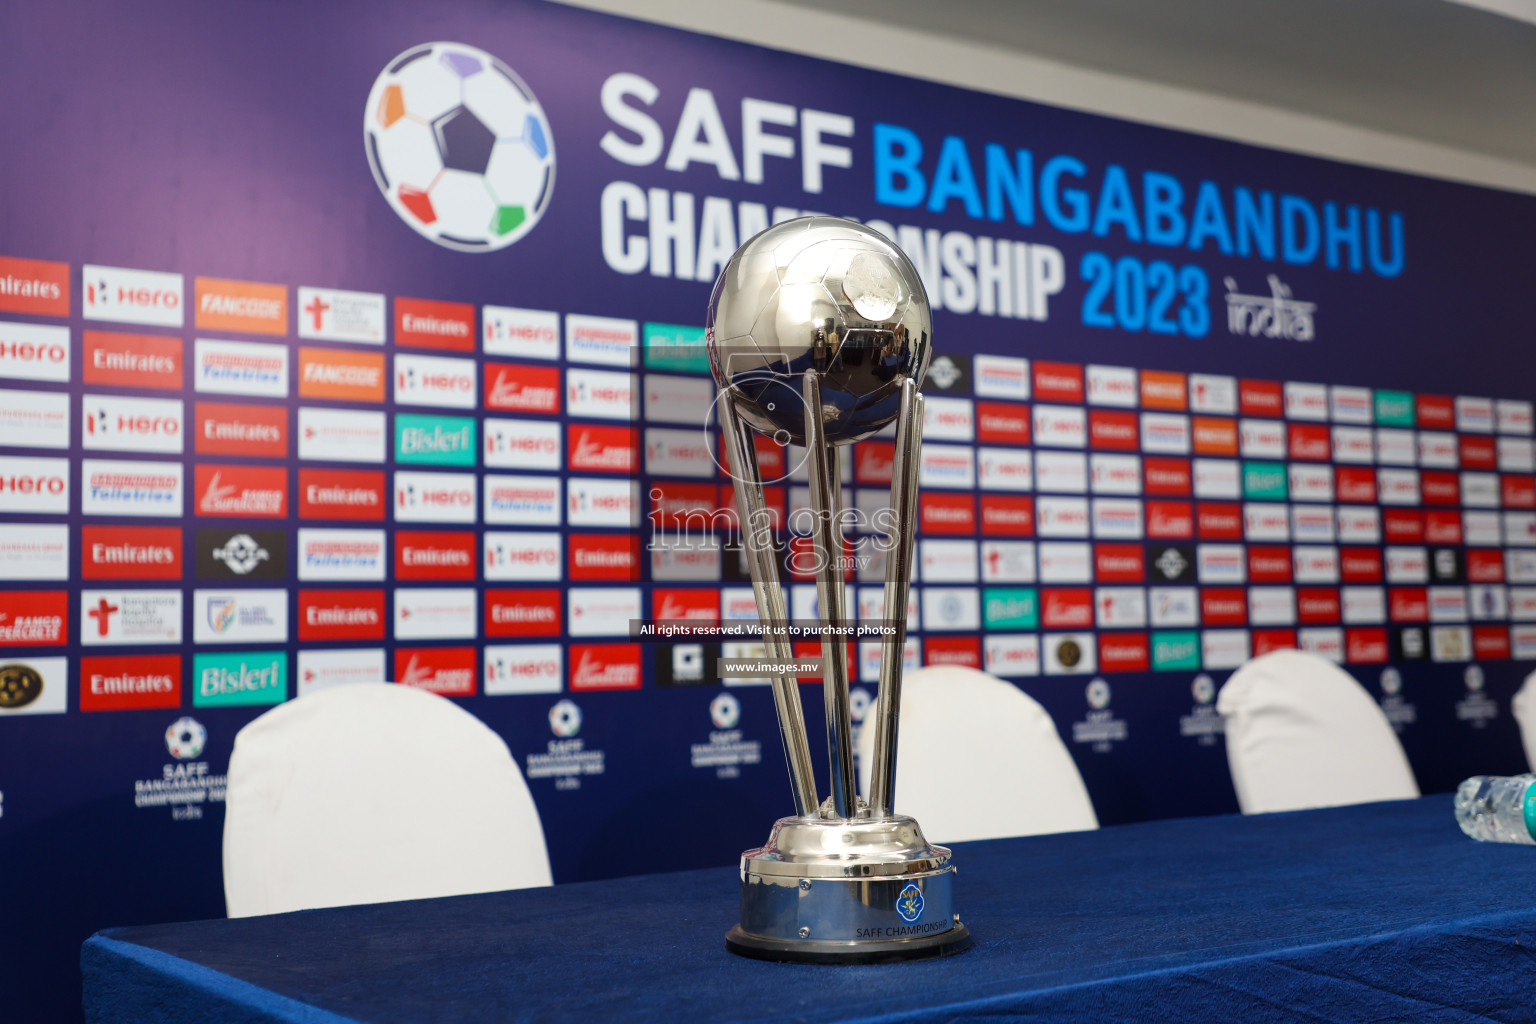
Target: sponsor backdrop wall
{"points": [[362, 342]]}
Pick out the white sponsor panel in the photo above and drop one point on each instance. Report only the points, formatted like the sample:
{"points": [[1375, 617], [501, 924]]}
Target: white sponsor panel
{"points": [[1065, 562], [1165, 433], [524, 668], [1272, 606], [132, 296], [341, 554], [1450, 643], [608, 395], [948, 561], [1395, 447], [341, 435], [948, 419], [1112, 385], [111, 488], [1363, 605], [1059, 472], [32, 552], [521, 333], [1070, 654], [1312, 524], [1220, 563], [872, 654], [602, 611], [438, 381], [872, 607], [1223, 648], [530, 557], [1212, 394], [1218, 478], [436, 497], [1266, 521], [1520, 529], [685, 559], [1480, 490], [116, 423], [1487, 602], [54, 697], [946, 465], [684, 453], [1474, 415], [1354, 445], [597, 502], [436, 613], [1305, 401], [1517, 455], [1447, 604], [109, 617], [1009, 561], [1522, 604], [1311, 482], [1323, 641], [951, 608], [1261, 439], [1523, 642], [1060, 426], [1360, 525], [1120, 607], [1115, 474], [1481, 529], [1407, 565], [240, 368], [321, 670], [738, 603], [601, 339], [1520, 566], [1062, 517], [35, 485], [1438, 449], [1117, 518], [525, 444], [330, 314], [1397, 486], [34, 419], [34, 352], [686, 400], [1513, 417], [522, 500], [1010, 655], [1173, 606], [1315, 564], [1350, 405], [1001, 376], [1001, 469], [239, 616]]}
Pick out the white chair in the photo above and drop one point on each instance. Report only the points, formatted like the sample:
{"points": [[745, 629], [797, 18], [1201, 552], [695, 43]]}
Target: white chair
{"points": [[1524, 707], [1302, 733], [979, 759], [369, 793]]}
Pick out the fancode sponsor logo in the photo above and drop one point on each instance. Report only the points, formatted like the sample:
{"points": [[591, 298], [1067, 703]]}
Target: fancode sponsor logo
{"points": [[241, 491], [34, 352], [132, 360], [34, 618], [530, 612], [522, 388], [232, 680], [341, 554], [1213, 436], [132, 296], [130, 552], [600, 556], [435, 555], [604, 395], [38, 287], [341, 615], [421, 323], [602, 449], [447, 671], [343, 376], [130, 683], [329, 314], [605, 666], [522, 333], [245, 306], [260, 431], [1163, 390], [34, 485], [341, 494], [436, 380], [435, 440], [600, 339], [240, 368]]}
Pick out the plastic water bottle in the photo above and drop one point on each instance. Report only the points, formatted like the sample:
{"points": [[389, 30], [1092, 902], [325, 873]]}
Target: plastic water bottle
{"points": [[1498, 808]]}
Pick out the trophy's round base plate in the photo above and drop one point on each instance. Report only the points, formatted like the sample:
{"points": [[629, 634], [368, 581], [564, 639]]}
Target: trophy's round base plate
{"points": [[805, 951]]}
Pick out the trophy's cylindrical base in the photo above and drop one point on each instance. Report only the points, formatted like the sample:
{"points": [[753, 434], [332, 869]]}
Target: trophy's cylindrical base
{"points": [[809, 951]]}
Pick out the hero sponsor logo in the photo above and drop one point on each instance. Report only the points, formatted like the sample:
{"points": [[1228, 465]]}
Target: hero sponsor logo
{"points": [[446, 671], [34, 618], [321, 670], [130, 617], [685, 559], [240, 616], [246, 306], [132, 296], [341, 435], [1000, 469], [1315, 564], [435, 497], [678, 453], [29, 552], [523, 556], [130, 683], [341, 554], [601, 394], [1063, 517], [436, 613], [600, 339], [949, 419], [1398, 486], [597, 502], [1112, 385], [518, 388], [38, 287], [522, 500], [520, 333], [436, 381], [34, 485], [1514, 417], [330, 314], [240, 368], [1305, 401], [1261, 439], [34, 419], [341, 615], [1011, 655], [524, 668], [130, 552], [129, 488], [342, 376], [341, 494], [1311, 483], [1360, 525], [1060, 426], [260, 431], [522, 613], [1115, 474], [115, 423], [132, 360], [605, 667], [259, 491], [525, 444], [1354, 445], [435, 555], [422, 323]]}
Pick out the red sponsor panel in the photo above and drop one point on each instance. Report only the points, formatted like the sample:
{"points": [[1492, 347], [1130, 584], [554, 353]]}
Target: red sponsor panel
{"points": [[1214, 435], [1517, 491], [435, 555], [1402, 525], [517, 387], [1366, 645], [130, 552], [131, 360], [341, 615], [801, 559], [1354, 485], [775, 499], [448, 671], [1219, 520], [34, 618], [1007, 516], [38, 287], [1119, 563], [603, 556], [243, 492], [523, 611], [772, 457], [1260, 398], [1266, 640], [1058, 382], [130, 682], [675, 504], [1165, 476], [1317, 604], [1408, 604], [1115, 431], [941, 513], [260, 431], [591, 448], [605, 666], [422, 323], [1002, 422], [873, 462], [1442, 527], [1124, 652], [1490, 643], [1170, 520], [952, 650], [1066, 608], [686, 603], [1436, 411], [1439, 487], [1485, 566], [351, 494], [1478, 452], [1223, 606], [1309, 442], [1269, 563], [1360, 565]]}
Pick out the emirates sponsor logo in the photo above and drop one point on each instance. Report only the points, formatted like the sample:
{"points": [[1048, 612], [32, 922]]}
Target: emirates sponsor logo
{"points": [[435, 325]]}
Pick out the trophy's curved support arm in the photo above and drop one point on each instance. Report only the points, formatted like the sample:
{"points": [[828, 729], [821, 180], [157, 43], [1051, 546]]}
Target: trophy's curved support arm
{"points": [[898, 583], [832, 593], [757, 539]]}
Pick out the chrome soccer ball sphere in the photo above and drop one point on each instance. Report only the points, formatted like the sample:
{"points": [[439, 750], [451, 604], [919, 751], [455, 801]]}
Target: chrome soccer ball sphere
{"points": [[826, 294]]}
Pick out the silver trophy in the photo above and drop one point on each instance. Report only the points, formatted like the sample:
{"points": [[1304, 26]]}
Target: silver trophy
{"points": [[819, 335]]}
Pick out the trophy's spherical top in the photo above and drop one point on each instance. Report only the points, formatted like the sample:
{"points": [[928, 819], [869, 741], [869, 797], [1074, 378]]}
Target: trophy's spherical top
{"points": [[826, 294]]}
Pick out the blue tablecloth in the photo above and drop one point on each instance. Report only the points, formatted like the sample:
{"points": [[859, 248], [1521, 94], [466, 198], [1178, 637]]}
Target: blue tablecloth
{"points": [[1379, 912]]}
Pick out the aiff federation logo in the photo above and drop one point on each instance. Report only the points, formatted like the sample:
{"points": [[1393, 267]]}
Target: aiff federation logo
{"points": [[459, 146]]}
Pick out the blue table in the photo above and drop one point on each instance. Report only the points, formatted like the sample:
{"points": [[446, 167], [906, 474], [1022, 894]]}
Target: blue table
{"points": [[1378, 912]]}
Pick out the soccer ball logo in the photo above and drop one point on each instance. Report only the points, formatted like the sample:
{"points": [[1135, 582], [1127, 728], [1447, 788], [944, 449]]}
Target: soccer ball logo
{"points": [[565, 719], [185, 737], [459, 146], [725, 711]]}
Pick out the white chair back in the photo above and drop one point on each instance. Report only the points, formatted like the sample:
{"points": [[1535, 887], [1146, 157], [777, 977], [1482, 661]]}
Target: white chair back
{"points": [[979, 759], [1524, 707], [369, 793], [1301, 732]]}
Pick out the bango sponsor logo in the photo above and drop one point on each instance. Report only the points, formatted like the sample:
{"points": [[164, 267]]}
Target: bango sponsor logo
{"points": [[132, 360], [34, 485], [246, 306], [132, 296], [524, 668], [258, 491], [351, 494], [130, 617], [341, 615], [422, 323], [330, 314], [240, 616], [341, 554], [341, 435], [601, 449], [605, 667], [517, 388], [523, 556], [34, 352], [447, 671], [240, 368], [115, 423], [525, 444], [436, 613], [34, 419], [259, 431], [34, 552], [435, 380], [522, 500], [520, 333], [34, 618], [38, 287], [435, 497]]}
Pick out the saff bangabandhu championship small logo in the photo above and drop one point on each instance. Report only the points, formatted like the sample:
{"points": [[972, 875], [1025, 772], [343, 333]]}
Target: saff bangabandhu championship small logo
{"points": [[459, 146]]}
